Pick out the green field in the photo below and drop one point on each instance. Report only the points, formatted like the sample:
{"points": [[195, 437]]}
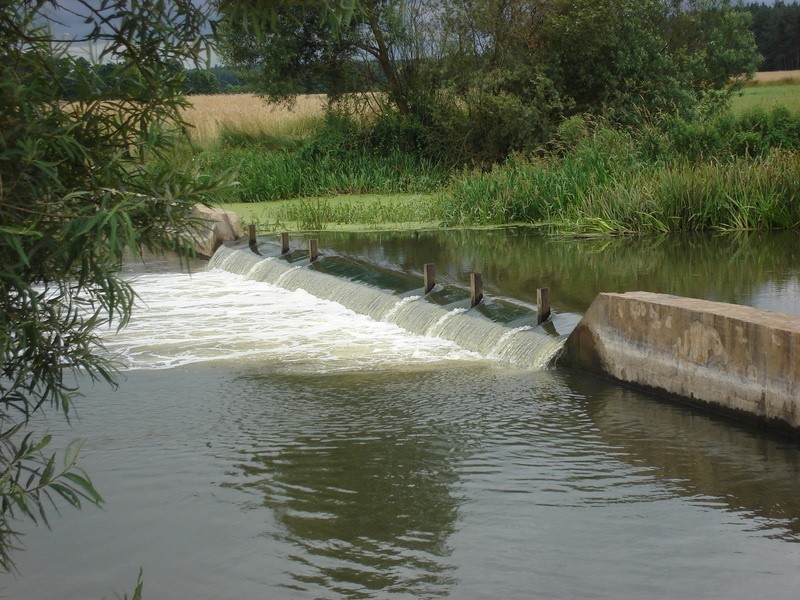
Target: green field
{"points": [[767, 97]]}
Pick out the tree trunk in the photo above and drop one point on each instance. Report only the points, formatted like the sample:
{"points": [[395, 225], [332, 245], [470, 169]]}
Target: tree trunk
{"points": [[381, 53]]}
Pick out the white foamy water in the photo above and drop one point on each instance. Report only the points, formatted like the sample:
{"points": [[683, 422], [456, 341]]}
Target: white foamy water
{"points": [[216, 315]]}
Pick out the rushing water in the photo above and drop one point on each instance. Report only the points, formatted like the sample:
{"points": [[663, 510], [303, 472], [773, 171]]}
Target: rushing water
{"points": [[267, 443]]}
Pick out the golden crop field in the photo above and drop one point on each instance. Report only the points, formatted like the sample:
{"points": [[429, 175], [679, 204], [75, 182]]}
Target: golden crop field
{"points": [[251, 115], [776, 78]]}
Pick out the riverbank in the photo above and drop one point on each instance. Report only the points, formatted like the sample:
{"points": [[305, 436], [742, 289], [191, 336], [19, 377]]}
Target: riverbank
{"points": [[351, 212], [587, 192], [297, 171]]}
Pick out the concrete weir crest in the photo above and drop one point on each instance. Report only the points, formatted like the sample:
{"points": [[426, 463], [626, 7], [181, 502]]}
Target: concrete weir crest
{"points": [[740, 359]]}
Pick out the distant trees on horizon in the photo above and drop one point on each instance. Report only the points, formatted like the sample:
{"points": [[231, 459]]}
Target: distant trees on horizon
{"points": [[777, 31], [776, 28]]}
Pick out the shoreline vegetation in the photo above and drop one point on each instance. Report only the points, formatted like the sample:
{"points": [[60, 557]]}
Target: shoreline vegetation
{"points": [[298, 170]]}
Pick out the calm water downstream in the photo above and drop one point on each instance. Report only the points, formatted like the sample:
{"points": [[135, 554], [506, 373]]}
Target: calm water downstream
{"points": [[270, 444]]}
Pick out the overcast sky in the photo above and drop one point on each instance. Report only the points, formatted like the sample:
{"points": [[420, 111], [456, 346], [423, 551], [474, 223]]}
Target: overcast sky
{"points": [[67, 23], [64, 24]]}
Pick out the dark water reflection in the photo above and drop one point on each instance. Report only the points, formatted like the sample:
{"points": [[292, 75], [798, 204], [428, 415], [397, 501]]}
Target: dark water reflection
{"points": [[361, 483], [759, 269], [464, 483], [701, 455]]}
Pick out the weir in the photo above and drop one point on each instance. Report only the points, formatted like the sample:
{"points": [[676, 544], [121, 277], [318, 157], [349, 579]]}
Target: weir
{"points": [[731, 359], [523, 345]]}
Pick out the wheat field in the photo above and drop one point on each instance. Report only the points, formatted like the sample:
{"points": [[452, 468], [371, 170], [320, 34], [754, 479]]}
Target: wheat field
{"points": [[210, 115], [776, 78], [251, 115]]}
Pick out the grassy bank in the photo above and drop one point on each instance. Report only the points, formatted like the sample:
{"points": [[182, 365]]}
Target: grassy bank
{"points": [[760, 193], [345, 212], [299, 153], [300, 171], [729, 173]]}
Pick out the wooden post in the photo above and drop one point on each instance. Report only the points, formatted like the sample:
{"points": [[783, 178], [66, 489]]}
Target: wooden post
{"points": [[476, 283], [251, 232], [284, 243], [543, 304], [429, 277], [313, 254]]}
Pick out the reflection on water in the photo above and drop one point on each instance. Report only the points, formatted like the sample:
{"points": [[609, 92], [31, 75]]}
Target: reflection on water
{"points": [[474, 482], [360, 480], [267, 444], [742, 268], [704, 456]]}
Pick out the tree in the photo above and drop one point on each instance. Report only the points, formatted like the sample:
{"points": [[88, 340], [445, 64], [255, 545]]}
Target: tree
{"points": [[489, 77], [201, 81], [78, 190], [307, 57], [367, 45], [777, 31]]}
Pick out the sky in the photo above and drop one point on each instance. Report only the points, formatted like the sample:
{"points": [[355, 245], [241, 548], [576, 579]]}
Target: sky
{"points": [[67, 22]]}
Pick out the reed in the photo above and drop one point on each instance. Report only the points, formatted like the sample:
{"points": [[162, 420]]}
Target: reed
{"points": [[613, 182], [362, 212], [276, 175], [743, 194]]}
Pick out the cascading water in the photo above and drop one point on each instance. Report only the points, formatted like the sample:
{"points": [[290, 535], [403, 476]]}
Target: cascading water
{"points": [[526, 346]]}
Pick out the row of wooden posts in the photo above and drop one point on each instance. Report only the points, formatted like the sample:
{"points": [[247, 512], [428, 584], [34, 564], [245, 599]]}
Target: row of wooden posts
{"points": [[429, 276]]}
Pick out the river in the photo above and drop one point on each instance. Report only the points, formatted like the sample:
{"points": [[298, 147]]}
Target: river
{"points": [[267, 443]]}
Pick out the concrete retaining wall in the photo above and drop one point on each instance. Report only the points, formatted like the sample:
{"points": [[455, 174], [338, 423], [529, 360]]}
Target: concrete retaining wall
{"points": [[730, 357], [215, 226]]}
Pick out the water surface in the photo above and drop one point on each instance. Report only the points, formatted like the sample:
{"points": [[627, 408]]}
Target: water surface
{"points": [[266, 443]]}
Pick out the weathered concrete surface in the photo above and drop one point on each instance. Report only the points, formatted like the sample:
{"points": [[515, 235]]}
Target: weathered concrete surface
{"points": [[736, 358], [217, 226]]}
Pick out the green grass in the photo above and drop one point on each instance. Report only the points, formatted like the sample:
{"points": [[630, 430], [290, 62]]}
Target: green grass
{"points": [[343, 213], [265, 174], [767, 97]]}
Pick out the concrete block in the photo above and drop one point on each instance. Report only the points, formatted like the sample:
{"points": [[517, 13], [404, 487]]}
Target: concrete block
{"points": [[216, 226], [735, 358]]}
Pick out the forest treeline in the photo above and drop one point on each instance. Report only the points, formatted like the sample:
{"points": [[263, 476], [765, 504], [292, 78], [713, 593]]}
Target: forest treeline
{"points": [[777, 32], [776, 28]]}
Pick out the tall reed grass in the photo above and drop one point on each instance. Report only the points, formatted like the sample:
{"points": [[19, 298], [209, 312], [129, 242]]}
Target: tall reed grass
{"points": [[338, 157], [264, 175], [315, 214], [681, 177]]}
